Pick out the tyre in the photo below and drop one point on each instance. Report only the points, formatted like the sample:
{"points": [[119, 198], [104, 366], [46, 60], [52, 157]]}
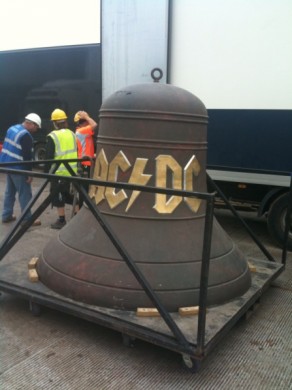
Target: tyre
{"points": [[277, 221], [39, 152]]}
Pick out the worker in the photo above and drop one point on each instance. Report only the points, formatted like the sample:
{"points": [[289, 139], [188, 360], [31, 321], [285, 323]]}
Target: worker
{"points": [[61, 144], [85, 132], [17, 147]]}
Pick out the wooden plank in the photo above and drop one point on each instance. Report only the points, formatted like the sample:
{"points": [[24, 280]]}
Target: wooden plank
{"points": [[32, 262], [33, 275], [188, 311], [252, 267], [147, 312]]}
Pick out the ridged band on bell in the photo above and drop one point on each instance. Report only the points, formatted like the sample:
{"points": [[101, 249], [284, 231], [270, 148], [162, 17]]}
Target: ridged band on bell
{"points": [[153, 135]]}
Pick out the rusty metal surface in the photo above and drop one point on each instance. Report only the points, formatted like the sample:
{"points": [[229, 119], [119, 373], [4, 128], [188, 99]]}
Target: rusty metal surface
{"points": [[58, 351], [149, 134]]}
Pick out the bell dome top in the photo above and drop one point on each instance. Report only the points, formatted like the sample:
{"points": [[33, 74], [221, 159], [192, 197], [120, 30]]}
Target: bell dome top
{"points": [[154, 98]]}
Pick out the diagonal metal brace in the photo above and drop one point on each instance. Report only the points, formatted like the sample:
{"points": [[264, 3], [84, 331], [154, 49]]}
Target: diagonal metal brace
{"points": [[134, 269]]}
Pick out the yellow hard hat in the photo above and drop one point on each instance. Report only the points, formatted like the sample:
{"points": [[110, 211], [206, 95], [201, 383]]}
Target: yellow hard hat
{"points": [[76, 117], [58, 115]]}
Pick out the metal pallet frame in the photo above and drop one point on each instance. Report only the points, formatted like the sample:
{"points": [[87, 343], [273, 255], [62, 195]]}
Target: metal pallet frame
{"points": [[191, 337]]}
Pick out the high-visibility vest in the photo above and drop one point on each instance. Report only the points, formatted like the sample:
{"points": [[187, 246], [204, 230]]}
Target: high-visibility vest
{"points": [[85, 144], [65, 148], [12, 150]]}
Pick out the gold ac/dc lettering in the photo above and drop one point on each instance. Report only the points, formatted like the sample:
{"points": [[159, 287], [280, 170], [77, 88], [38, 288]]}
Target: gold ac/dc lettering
{"points": [[182, 179]]}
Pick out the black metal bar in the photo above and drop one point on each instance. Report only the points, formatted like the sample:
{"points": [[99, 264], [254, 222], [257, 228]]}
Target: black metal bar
{"points": [[77, 182], [118, 323], [184, 346], [135, 270], [143, 281], [11, 234], [16, 233], [132, 265], [18, 230], [288, 221], [43, 162], [134, 187], [204, 277], [248, 229]]}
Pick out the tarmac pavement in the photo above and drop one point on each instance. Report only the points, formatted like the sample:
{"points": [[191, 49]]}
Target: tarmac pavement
{"points": [[59, 351]]}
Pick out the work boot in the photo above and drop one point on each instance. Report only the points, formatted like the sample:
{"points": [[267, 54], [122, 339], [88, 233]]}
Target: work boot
{"points": [[37, 222], [9, 219], [58, 224]]}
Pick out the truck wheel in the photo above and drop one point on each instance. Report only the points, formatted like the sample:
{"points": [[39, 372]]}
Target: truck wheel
{"points": [[39, 152], [277, 219]]}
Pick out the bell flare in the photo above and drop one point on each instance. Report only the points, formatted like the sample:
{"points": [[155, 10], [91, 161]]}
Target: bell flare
{"points": [[83, 264]]}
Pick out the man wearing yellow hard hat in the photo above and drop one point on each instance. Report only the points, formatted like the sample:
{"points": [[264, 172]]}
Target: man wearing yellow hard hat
{"points": [[61, 145]]}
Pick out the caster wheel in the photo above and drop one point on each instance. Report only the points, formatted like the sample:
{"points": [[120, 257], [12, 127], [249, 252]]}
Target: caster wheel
{"points": [[190, 364], [128, 341], [35, 309]]}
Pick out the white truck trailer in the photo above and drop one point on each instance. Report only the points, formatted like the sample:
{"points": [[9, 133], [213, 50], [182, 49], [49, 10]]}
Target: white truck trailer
{"points": [[235, 56]]}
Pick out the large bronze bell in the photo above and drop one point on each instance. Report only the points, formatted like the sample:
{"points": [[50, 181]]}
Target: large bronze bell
{"points": [[154, 135]]}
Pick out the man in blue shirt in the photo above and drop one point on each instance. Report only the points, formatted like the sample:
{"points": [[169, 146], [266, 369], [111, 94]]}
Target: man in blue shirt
{"points": [[17, 147]]}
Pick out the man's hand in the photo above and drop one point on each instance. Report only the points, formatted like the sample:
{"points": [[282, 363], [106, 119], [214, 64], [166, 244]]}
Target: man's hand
{"points": [[29, 179]]}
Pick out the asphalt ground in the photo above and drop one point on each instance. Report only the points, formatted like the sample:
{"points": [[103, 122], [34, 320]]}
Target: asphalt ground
{"points": [[59, 351]]}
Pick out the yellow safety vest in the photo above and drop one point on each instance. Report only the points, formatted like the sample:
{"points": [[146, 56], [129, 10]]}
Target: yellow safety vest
{"points": [[65, 148]]}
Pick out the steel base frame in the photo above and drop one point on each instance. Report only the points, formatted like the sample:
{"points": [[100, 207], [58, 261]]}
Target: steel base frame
{"points": [[219, 319]]}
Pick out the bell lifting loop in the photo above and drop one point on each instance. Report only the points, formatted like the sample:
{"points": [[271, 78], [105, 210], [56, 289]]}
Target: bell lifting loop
{"points": [[156, 78]]}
